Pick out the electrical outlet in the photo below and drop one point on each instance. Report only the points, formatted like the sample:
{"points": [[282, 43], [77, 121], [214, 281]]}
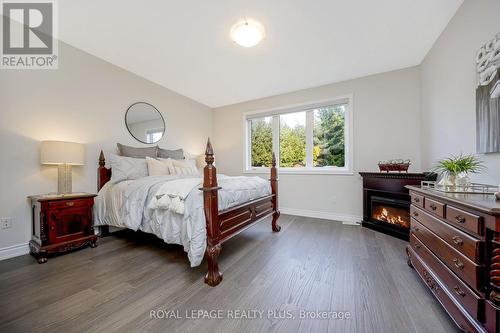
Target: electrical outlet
{"points": [[6, 222]]}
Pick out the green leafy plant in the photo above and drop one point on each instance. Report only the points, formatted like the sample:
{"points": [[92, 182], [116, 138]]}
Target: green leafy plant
{"points": [[454, 165]]}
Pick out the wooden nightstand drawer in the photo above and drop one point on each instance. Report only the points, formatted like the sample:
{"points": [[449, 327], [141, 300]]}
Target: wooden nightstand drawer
{"points": [[70, 203]]}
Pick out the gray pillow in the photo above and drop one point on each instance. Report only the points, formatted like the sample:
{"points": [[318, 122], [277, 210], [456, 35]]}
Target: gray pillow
{"points": [[137, 152], [127, 168], [177, 154]]}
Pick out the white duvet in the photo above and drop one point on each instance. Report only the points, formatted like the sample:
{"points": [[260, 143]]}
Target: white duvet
{"points": [[137, 205]]}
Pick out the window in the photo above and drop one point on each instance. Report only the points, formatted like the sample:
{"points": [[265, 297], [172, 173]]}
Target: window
{"points": [[313, 138], [153, 136], [262, 141]]}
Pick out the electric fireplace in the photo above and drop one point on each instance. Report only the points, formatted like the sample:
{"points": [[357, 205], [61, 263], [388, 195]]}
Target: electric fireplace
{"points": [[392, 211], [386, 202]]}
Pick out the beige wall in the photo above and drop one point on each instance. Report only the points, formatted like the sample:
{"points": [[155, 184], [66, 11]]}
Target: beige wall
{"points": [[449, 85], [83, 101], [386, 126]]}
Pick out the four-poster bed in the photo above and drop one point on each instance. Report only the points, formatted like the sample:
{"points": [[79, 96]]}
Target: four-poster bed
{"points": [[220, 225]]}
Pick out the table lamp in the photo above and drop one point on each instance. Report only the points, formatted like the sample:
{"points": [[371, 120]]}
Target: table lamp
{"points": [[64, 155]]}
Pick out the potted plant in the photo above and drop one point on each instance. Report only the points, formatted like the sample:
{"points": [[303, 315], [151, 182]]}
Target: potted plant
{"points": [[454, 171]]}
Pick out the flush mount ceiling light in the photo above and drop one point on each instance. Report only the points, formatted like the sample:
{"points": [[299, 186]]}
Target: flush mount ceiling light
{"points": [[247, 33]]}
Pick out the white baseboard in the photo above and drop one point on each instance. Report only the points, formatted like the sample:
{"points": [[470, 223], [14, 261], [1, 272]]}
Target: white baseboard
{"points": [[344, 218], [14, 251]]}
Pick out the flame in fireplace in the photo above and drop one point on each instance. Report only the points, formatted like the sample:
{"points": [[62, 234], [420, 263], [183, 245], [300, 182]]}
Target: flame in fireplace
{"points": [[386, 216]]}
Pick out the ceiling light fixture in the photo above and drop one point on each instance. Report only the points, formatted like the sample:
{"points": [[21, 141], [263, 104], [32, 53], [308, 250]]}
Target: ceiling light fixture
{"points": [[247, 33]]}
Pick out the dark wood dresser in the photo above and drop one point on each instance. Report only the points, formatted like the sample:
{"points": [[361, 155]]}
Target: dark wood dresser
{"points": [[61, 223], [455, 248]]}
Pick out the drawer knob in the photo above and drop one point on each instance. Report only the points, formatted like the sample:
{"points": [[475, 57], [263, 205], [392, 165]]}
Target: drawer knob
{"points": [[459, 291], [416, 200], [418, 246], [415, 213], [415, 229], [52, 228], [433, 206], [458, 263], [70, 203], [457, 240], [460, 219]]}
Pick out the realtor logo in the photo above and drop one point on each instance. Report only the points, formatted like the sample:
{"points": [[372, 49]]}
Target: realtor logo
{"points": [[28, 34]]}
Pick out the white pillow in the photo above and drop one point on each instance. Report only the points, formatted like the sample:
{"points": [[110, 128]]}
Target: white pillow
{"points": [[158, 167], [186, 167], [127, 168]]}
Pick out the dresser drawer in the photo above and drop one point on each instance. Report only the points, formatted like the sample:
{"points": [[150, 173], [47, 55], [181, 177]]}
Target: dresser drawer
{"points": [[60, 204], [465, 220], [417, 200], [459, 290], [435, 207], [443, 296], [465, 268], [459, 240]]}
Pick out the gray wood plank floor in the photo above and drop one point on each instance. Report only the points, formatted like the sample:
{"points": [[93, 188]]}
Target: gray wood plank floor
{"points": [[311, 264]]}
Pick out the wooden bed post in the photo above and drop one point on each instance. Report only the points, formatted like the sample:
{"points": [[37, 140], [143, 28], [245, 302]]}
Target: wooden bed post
{"points": [[211, 206], [274, 190], [102, 178]]}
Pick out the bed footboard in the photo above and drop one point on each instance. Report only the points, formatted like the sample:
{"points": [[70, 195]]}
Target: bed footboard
{"points": [[224, 225]]}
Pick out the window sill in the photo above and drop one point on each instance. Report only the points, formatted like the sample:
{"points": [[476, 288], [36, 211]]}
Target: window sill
{"points": [[300, 172]]}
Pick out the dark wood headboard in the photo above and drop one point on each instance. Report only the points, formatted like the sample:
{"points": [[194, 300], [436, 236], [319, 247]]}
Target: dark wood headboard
{"points": [[103, 173]]}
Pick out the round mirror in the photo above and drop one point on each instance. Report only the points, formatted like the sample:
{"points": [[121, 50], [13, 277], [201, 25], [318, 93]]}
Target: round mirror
{"points": [[144, 122]]}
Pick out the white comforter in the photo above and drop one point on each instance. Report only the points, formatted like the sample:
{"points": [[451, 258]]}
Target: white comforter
{"points": [[131, 204]]}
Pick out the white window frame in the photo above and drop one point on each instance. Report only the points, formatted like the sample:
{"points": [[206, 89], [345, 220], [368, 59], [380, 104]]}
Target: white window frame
{"points": [[150, 132], [348, 139]]}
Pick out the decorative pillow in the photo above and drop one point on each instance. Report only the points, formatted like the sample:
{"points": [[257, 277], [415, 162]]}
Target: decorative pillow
{"points": [[158, 167], [127, 168], [137, 152], [177, 154], [183, 167]]}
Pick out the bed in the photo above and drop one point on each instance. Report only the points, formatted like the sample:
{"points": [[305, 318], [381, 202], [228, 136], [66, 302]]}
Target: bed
{"points": [[214, 211]]}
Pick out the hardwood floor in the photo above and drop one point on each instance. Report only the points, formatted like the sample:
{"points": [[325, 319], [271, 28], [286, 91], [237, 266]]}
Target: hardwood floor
{"points": [[310, 265]]}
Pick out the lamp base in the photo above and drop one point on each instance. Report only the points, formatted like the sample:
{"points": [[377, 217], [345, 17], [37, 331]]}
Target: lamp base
{"points": [[64, 179]]}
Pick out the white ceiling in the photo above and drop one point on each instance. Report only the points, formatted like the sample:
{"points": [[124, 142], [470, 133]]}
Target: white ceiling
{"points": [[185, 45]]}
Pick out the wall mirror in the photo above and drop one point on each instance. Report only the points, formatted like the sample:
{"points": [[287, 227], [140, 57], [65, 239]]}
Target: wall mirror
{"points": [[145, 123]]}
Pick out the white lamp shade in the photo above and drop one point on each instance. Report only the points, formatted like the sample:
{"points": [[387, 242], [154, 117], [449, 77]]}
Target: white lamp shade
{"points": [[60, 152]]}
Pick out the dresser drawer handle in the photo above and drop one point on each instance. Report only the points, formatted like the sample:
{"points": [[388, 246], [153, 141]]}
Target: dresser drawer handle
{"points": [[460, 219], [415, 213], [418, 246], [70, 203], [433, 206], [459, 291], [52, 228], [458, 263], [415, 229], [417, 200], [457, 240]]}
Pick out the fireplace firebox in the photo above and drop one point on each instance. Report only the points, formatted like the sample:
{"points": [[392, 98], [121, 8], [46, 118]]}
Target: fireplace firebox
{"points": [[386, 202]]}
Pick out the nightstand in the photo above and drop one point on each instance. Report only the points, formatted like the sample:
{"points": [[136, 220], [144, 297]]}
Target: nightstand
{"points": [[61, 223]]}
